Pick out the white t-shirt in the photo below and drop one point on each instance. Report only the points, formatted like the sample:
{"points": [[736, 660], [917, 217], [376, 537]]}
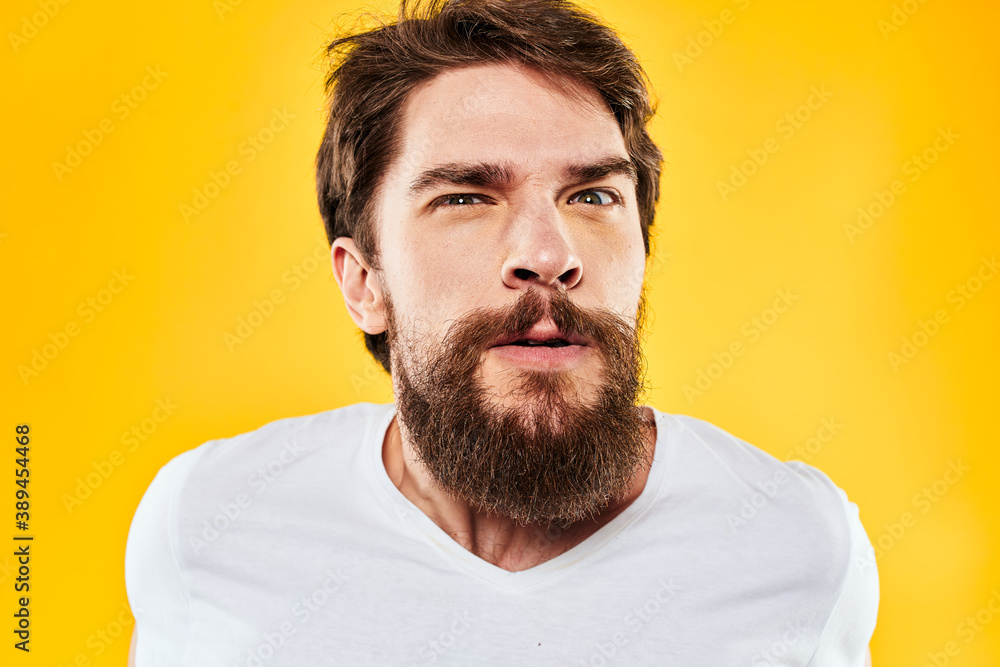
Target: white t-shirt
{"points": [[291, 546]]}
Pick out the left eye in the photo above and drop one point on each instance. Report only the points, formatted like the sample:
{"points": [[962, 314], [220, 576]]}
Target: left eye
{"points": [[594, 197], [460, 200]]}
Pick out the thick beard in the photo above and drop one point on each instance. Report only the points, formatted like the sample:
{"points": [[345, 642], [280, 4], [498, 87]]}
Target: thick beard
{"points": [[546, 458]]}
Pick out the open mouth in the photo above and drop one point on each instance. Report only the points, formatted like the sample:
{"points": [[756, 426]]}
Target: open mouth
{"points": [[543, 341], [544, 346], [552, 342]]}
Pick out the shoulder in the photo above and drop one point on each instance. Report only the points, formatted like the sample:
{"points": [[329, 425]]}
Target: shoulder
{"points": [[290, 438], [786, 520], [220, 470], [787, 506], [276, 448], [786, 527], [209, 487], [226, 473], [739, 467]]}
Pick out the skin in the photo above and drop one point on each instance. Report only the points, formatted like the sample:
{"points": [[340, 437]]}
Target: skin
{"points": [[542, 229]]}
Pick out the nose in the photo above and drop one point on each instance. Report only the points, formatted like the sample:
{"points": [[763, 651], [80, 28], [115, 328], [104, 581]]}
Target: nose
{"points": [[541, 253]]}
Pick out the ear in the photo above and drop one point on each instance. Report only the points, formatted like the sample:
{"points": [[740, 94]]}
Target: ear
{"points": [[360, 286]]}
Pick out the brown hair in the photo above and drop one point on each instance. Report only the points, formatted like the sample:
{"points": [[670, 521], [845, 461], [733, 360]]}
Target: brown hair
{"points": [[372, 73]]}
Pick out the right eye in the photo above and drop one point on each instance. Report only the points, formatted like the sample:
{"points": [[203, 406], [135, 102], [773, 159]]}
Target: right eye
{"points": [[463, 199]]}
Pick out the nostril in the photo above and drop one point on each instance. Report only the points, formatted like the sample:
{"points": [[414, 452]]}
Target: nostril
{"points": [[524, 274], [567, 277]]}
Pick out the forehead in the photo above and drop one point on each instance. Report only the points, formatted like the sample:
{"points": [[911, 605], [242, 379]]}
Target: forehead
{"points": [[505, 113]]}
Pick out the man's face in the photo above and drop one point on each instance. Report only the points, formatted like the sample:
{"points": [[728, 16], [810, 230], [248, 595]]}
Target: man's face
{"points": [[456, 242], [512, 257]]}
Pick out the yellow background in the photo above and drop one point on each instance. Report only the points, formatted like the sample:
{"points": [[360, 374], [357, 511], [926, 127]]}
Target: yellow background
{"points": [[717, 264]]}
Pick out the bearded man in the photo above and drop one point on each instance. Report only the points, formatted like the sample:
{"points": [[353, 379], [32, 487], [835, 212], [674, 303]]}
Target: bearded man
{"points": [[488, 185]]}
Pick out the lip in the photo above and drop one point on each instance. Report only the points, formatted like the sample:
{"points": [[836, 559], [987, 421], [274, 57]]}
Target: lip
{"points": [[542, 331], [542, 357]]}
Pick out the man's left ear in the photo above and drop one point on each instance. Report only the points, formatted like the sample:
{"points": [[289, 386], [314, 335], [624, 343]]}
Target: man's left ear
{"points": [[360, 286]]}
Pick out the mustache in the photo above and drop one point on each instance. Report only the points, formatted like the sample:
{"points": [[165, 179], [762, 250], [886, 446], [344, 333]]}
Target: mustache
{"points": [[468, 337], [485, 327]]}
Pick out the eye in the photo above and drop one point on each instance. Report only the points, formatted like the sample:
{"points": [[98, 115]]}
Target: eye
{"points": [[464, 199], [595, 198]]}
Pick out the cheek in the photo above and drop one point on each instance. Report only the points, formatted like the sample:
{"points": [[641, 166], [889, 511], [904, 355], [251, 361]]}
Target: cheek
{"points": [[634, 269], [617, 270], [435, 280], [627, 289]]}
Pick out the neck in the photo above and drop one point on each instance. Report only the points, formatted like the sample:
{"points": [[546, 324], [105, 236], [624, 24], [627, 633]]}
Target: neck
{"points": [[496, 539]]}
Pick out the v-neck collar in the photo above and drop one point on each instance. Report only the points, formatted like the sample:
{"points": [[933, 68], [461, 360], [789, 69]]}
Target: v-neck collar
{"points": [[456, 554]]}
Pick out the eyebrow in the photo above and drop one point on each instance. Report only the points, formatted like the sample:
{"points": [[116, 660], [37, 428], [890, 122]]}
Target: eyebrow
{"points": [[490, 175], [612, 166]]}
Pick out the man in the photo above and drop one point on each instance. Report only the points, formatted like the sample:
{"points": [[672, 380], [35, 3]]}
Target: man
{"points": [[488, 184]]}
